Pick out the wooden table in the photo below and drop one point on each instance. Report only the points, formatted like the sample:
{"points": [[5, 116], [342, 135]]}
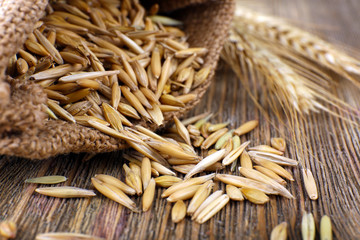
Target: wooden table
{"points": [[332, 153]]}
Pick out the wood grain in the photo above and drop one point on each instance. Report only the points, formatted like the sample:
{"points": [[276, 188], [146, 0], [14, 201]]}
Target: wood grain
{"points": [[328, 146]]}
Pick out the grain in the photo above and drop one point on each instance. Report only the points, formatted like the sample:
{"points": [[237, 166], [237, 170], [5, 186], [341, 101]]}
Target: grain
{"points": [[205, 203], [109, 131], [47, 179], [29, 58], [255, 196], [36, 48], [167, 99], [114, 194], [234, 193], [145, 172], [148, 196], [54, 53], [215, 127], [183, 184], [65, 236], [134, 102], [246, 127], [8, 229], [213, 138], [167, 181], [163, 77], [278, 143], [112, 116], [65, 192], [325, 228], [281, 160], [256, 175], [87, 75], [242, 182], [222, 140], [178, 211], [206, 162], [234, 154], [115, 182], [183, 194], [310, 184], [182, 130], [59, 111], [170, 149], [294, 91], [87, 83], [270, 174], [275, 168], [133, 180], [307, 226], [56, 95], [22, 66], [279, 232], [266, 148], [199, 197], [156, 114], [162, 169], [128, 110], [213, 208], [201, 76], [245, 160]]}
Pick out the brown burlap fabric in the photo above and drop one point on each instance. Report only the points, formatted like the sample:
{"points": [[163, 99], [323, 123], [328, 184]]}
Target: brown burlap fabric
{"points": [[25, 130]]}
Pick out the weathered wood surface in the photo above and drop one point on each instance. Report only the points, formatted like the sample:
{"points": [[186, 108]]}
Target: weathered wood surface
{"points": [[331, 148]]}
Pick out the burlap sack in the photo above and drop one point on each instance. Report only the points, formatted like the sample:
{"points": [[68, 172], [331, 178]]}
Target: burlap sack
{"points": [[25, 130]]}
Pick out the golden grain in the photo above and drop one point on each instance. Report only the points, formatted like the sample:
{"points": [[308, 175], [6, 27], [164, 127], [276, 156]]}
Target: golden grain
{"points": [[256, 175], [149, 194], [270, 174], [65, 192], [183, 184], [8, 229], [308, 226], [246, 183], [114, 194], [266, 148], [47, 179], [178, 211], [112, 116], [278, 143], [209, 141], [275, 168], [246, 127], [115, 182], [133, 180], [59, 111], [255, 196], [145, 172], [234, 193], [325, 228], [167, 181], [199, 197], [183, 194], [310, 184], [206, 162], [214, 207], [234, 154], [54, 53], [279, 232], [66, 236], [281, 160]]}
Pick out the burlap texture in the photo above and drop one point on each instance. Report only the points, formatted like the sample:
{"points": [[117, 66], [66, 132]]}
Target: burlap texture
{"points": [[25, 130]]}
